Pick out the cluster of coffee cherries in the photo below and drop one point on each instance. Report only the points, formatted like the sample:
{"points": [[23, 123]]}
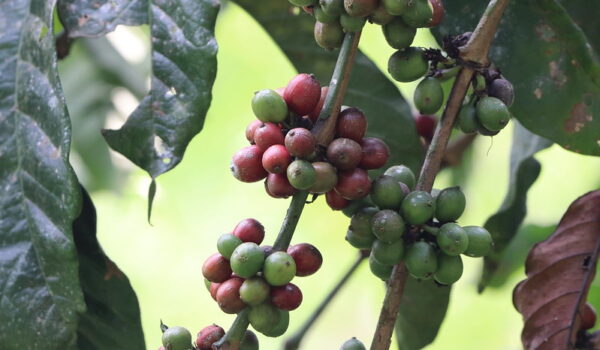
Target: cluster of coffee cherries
{"points": [[415, 227], [245, 275], [289, 159], [180, 338]]}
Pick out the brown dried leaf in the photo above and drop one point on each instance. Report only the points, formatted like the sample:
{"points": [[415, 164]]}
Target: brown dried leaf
{"points": [[559, 272]]}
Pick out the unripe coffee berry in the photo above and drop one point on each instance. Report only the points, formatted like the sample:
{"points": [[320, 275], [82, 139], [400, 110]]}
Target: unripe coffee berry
{"points": [[421, 260], [353, 344], [359, 242], [279, 268], [177, 338], [209, 335], [287, 297], [326, 178], [353, 184], [452, 239], [402, 173], [426, 126], [375, 153], [332, 7], [360, 222], [351, 24], [380, 270], [227, 244], [351, 124], [281, 326], [335, 200], [250, 230], [301, 3], [323, 17], [276, 159], [395, 7], [418, 207], [407, 65], [329, 35], [314, 115], [419, 15], [246, 164], [356, 205], [216, 268], [344, 154], [450, 204], [398, 34], [388, 225], [301, 174], [302, 93], [300, 142], [480, 241], [492, 113], [449, 270], [249, 342], [428, 96], [388, 253], [380, 16], [268, 134], [387, 193], [254, 291], [307, 257], [251, 128], [269, 106], [247, 259], [263, 317], [360, 8], [278, 186]]}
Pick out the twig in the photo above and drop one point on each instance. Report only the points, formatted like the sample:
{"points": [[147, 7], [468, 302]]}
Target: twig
{"points": [[291, 221], [232, 339]]}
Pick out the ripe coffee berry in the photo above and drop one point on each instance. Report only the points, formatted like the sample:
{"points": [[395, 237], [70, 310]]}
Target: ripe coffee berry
{"points": [[300, 142], [353, 184], [228, 296], [314, 115], [268, 134], [251, 128], [426, 126], [336, 201], [214, 287], [216, 268], [351, 124], [246, 164], [250, 230], [276, 159], [207, 336], [278, 186], [302, 93], [287, 297], [588, 317], [375, 153], [307, 257], [344, 154]]}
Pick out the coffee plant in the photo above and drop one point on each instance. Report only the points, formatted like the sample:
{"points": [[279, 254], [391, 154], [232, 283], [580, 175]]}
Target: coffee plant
{"points": [[338, 137]]}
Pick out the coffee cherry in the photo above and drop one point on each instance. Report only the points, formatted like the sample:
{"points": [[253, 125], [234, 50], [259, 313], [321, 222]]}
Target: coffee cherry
{"points": [[386, 193], [323, 17], [329, 35], [380, 16], [387, 225], [420, 260], [429, 96], [250, 230], [228, 296], [438, 13], [361, 221], [314, 115], [480, 241], [492, 113], [450, 204], [207, 336], [419, 15], [246, 164], [300, 142], [503, 90], [269, 106], [358, 241], [247, 259], [302, 93], [336, 201], [402, 173], [380, 270], [356, 205], [276, 159], [326, 178], [388, 253], [333, 7], [360, 8], [418, 207], [214, 288], [263, 317], [287, 297], [467, 119], [249, 342], [301, 3], [395, 7], [351, 124], [375, 153], [216, 268], [280, 327], [227, 244], [268, 134], [307, 257], [486, 132], [267, 249], [407, 65], [254, 291], [588, 317], [251, 128], [344, 154], [449, 269], [177, 338], [426, 126], [279, 269], [398, 34], [351, 24], [353, 344], [353, 184], [278, 186], [452, 239], [301, 174], [207, 284]]}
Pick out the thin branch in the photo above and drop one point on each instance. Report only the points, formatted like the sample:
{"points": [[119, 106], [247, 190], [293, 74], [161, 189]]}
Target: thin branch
{"points": [[291, 221], [456, 149]]}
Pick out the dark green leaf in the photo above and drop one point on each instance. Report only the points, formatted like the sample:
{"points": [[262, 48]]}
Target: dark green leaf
{"points": [[41, 297], [92, 18], [524, 170], [112, 319], [550, 62], [422, 309], [184, 67], [388, 113]]}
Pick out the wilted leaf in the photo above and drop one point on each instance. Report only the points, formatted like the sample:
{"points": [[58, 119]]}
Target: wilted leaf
{"points": [[41, 296], [559, 272]]}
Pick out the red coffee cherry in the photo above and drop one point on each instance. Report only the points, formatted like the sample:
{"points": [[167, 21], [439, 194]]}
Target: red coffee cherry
{"points": [[250, 230], [426, 126], [268, 134], [228, 296], [251, 128], [351, 124], [307, 257], [314, 115], [214, 287], [344, 154], [302, 93], [300, 142], [336, 201], [353, 184], [216, 268], [246, 164], [375, 153], [278, 186], [287, 297], [588, 317], [438, 13], [207, 336], [276, 159]]}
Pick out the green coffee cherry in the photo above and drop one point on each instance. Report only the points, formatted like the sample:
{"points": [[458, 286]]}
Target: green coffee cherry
{"points": [[398, 34], [177, 338], [403, 174], [419, 15], [358, 241], [264, 317], [387, 193], [356, 205], [323, 17], [380, 270], [486, 132], [452, 239], [429, 96], [381, 16], [449, 269], [361, 221], [352, 24], [329, 35], [333, 7], [420, 260], [227, 244], [254, 291], [492, 113], [302, 3], [279, 268], [280, 327], [353, 344], [326, 177], [301, 174], [450, 204], [249, 342], [396, 7], [418, 207], [247, 259], [467, 119], [388, 253], [407, 65], [388, 225], [269, 106], [360, 8], [480, 241]]}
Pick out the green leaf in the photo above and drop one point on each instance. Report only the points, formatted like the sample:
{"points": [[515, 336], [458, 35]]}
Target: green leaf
{"points": [[422, 309], [389, 115], [112, 319], [40, 198], [93, 18], [548, 58], [524, 170], [184, 67]]}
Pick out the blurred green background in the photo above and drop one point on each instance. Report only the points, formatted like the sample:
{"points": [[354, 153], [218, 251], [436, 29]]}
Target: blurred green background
{"points": [[199, 200]]}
